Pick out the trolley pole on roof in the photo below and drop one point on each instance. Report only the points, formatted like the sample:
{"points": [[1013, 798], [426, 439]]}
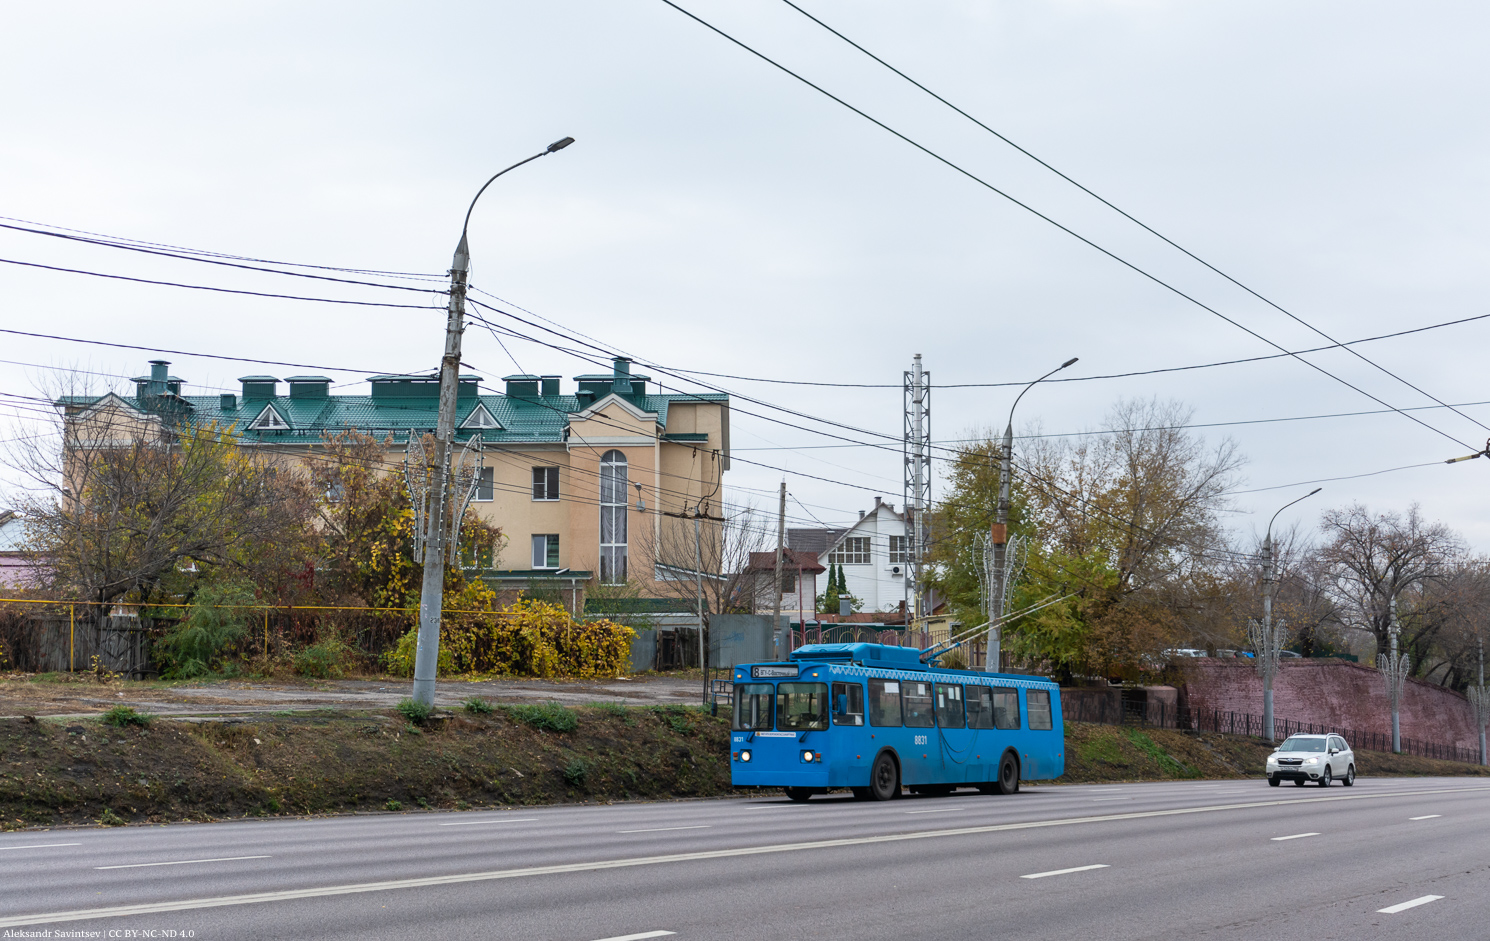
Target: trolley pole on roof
{"points": [[432, 591]]}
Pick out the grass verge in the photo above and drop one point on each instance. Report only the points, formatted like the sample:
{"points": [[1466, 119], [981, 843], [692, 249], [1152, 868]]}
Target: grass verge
{"points": [[171, 770]]}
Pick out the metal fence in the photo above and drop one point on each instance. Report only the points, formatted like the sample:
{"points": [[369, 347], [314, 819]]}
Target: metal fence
{"points": [[1110, 711]]}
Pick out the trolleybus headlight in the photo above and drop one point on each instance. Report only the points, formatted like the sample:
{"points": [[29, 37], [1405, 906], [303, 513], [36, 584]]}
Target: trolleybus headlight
{"points": [[745, 755], [807, 756]]}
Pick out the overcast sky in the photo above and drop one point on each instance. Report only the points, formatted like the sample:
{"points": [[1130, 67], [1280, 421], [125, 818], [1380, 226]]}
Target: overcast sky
{"points": [[718, 215]]}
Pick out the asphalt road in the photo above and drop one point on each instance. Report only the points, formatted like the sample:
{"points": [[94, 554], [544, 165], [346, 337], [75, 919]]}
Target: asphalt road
{"points": [[1171, 860]]}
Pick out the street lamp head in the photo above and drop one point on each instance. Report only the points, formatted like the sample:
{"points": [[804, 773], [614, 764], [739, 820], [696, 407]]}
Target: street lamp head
{"points": [[559, 145], [1070, 361], [1313, 492]]}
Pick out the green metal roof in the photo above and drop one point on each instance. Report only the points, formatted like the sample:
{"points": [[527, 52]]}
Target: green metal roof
{"points": [[524, 420]]}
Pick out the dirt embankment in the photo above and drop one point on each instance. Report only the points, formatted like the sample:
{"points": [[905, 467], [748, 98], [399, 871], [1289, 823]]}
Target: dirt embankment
{"points": [[1106, 753], [80, 772], [85, 772]]}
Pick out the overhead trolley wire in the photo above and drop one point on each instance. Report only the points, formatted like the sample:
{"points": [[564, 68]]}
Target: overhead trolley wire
{"points": [[1129, 216], [1064, 228]]}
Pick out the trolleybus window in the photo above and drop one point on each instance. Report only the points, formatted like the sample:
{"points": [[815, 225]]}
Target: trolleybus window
{"points": [[1038, 701], [848, 704], [948, 706], [753, 702], [802, 707], [979, 707], [916, 701], [884, 703], [1006, 708]]}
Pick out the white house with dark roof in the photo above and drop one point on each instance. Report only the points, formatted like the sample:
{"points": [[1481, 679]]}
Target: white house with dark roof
{"points": [[871, 552]]}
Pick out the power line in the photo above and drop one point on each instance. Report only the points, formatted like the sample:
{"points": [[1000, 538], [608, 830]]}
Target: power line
{"points": [[1069, 231], [1103, 376], [216, 261], [205, 287], [1126, 215], [211, 254]]}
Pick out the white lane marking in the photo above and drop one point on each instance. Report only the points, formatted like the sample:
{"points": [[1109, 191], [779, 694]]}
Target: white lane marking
{"points": [[479, 823], [1062, 872], [697, 826], [639, 937], [37, 846], [286, 895], [1296, 836], [1404, 906], [939, 810], [1095, 799], [184, 862], [1425, 817]]}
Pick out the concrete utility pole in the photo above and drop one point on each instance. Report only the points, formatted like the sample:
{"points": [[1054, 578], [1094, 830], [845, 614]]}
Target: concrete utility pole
{"points": [[776, 591], [1000, 532], [1267, 641], [432, 591], [698, 582], [1479, 697], [1394, 670]]}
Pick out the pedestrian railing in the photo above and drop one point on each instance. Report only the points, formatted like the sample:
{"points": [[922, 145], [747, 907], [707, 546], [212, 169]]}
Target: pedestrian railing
{"points": [[1107, 711]]}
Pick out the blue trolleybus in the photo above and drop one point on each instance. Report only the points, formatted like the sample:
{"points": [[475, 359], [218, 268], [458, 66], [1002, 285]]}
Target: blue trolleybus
{"points": [[872, 718]]}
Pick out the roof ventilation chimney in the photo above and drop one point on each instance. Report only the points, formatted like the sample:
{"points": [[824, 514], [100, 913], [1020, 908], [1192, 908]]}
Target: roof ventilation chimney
{"points": [[160, 374], [621, 385], [550, 385]]}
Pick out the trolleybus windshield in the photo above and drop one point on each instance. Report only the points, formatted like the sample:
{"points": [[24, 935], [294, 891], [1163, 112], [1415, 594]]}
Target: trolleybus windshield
{"points": [[802, 707], [753, 707]]}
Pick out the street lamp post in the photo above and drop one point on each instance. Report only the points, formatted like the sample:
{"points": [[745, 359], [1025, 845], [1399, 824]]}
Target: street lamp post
{"points": [[1000, 532], [1479, 697], [431, 595], [1394, 669], [1267, 642]]}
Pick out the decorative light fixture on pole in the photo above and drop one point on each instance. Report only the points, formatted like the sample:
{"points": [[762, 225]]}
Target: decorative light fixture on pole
{"points": [[1394, 670], [1479, 697], [439, 531], [1267, 638], [1000, 533]]}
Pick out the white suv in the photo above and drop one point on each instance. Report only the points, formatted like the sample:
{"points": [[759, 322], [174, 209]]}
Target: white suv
{"points": [[1318, 758]]}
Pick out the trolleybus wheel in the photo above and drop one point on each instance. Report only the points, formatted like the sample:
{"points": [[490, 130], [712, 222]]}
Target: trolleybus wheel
{"points": [[798, 794], [1008, 782], [884, 778]]}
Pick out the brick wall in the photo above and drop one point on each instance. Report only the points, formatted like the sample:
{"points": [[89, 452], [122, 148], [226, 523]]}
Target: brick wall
{"points": [[1331, 692]]}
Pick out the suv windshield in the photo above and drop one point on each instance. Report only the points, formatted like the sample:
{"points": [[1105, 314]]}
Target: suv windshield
{"points": [[1302, 744]]}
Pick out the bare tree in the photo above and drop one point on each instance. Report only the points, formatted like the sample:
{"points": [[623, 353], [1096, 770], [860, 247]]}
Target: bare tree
{"points": [[723, 545], [1149, 495], [125, 495], [1369, 559]]}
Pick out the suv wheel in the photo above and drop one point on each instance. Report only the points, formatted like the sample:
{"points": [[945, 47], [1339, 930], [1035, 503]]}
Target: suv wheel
{"points": [[1274, 781], [1324, 779], [1349, 778]]}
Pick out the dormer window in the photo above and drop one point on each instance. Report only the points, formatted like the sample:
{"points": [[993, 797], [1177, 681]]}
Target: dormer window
{"points": [[269, 420], [481, 418]]}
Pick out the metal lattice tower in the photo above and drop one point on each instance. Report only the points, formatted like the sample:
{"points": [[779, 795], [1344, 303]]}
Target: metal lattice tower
{"points": [[917, 454]]}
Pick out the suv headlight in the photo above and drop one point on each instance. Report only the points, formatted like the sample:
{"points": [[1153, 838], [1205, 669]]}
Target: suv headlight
{"points": [[1311, 761]]}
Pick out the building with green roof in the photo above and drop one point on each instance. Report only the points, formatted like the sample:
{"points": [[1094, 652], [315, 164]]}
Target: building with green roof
{"points": [[579, 482]]}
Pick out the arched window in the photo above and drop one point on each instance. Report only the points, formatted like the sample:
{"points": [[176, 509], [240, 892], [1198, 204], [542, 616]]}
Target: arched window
{"points": [[613, 518]]}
